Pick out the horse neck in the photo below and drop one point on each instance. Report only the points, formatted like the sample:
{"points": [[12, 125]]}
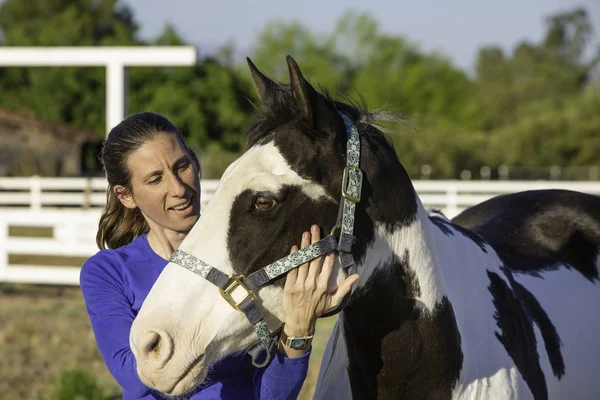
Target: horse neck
{"points": [[402, 231], [410, 249], [400, 322]]}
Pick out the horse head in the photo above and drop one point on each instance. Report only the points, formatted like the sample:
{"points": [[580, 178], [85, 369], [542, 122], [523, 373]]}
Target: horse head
{"points": [[292, 175]]}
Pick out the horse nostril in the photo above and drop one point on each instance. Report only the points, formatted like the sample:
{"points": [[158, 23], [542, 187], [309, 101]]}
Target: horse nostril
{"points": [[153, 345], [156, 347]]}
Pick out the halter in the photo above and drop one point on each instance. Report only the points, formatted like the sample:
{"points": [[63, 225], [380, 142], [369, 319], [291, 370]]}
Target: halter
{"points": [[267, 339]]}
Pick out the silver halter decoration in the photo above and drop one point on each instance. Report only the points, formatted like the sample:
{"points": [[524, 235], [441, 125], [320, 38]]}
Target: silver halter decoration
{"points": [[267, 340]]}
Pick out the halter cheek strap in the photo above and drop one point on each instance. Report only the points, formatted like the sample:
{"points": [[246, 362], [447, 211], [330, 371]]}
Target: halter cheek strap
{"points": [[240, 291]]}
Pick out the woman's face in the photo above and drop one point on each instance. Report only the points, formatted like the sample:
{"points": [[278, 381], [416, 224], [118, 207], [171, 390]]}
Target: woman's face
{"points": [[165, 184]]}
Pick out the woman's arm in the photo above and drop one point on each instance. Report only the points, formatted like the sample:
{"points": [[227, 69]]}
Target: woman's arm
{"points": [[111, 317], [282, 378]]}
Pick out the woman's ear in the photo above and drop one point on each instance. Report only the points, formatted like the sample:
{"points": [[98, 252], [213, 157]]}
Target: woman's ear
{"points": [[124, 196]]}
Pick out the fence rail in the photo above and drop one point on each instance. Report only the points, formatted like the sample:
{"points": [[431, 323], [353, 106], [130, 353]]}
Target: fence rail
{"points": [[37, 193], [67, 210], [70, 234]]}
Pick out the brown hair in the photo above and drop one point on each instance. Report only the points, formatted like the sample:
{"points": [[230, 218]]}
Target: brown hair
{"points": [[118, 224]]}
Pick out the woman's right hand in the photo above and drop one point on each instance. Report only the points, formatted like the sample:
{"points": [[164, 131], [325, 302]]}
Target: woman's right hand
{"points": [[305, 295]]}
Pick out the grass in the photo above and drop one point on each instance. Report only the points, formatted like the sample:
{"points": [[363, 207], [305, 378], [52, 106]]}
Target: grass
{"points": [[47, 344], [44, 331], [322, 332]]}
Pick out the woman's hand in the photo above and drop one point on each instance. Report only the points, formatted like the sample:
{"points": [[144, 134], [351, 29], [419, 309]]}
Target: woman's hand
{"points": [[306, 296]]}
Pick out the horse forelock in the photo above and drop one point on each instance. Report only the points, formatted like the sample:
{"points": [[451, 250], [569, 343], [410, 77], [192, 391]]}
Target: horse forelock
{"points": [[282, 111]]}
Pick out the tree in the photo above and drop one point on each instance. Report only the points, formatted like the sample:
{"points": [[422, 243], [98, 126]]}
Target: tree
{"points": [[569, 38], [565, 132], [534, 105], [208, 101], [74, 95], [357, 59], [552, 69]]}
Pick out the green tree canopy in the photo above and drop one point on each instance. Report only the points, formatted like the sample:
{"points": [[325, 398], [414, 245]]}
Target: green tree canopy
{"points": [[356, 58], [74, 95], [535, 105]]}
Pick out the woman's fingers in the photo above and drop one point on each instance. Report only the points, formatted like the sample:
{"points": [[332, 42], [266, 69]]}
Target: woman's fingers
{"points": [[326, 270], [314, 269], [303, 269], [291, 276], [306, 295], [338, 295]]}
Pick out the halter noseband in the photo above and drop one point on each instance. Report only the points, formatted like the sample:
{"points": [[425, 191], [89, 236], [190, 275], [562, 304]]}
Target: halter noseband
{"points": [[351, 191]]}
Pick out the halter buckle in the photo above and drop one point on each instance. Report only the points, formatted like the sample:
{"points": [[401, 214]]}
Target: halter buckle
{"points": [[359, 176], [236, 282]]}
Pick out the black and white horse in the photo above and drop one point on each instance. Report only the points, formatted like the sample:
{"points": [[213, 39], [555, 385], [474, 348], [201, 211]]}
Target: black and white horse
{"points": [[496, 304]]}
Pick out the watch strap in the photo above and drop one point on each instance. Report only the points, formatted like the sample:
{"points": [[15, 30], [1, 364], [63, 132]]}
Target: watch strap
{"points": [[293, 342]]}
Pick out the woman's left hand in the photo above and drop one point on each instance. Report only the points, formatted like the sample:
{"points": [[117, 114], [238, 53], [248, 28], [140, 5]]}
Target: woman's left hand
{"points": [[306, 296]]}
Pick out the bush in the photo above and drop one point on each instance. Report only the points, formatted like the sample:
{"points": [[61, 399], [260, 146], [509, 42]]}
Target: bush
{"points": [[78, 384]]}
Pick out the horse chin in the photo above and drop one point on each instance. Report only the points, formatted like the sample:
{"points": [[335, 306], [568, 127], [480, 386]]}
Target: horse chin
{"points": [[192, 377]]}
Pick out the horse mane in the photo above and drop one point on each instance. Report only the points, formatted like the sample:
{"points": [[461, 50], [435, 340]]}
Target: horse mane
{"points": [[282, 110]]}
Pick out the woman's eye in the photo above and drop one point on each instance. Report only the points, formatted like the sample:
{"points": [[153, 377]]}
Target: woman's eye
{"points": [[154, 181], [184, 166], [264, 203]]}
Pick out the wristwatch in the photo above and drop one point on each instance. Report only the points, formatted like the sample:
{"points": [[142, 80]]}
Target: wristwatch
{"points": [[298, 342]]}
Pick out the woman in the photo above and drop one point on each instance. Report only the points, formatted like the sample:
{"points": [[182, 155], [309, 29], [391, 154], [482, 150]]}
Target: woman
{"points": [[153, 201]]}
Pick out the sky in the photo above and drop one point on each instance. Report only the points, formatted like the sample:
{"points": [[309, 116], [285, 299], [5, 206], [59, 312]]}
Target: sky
{"points": [[456, 28]]}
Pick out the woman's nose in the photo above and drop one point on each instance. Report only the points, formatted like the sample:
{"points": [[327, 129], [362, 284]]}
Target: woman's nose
{"points": [[177, 187]]}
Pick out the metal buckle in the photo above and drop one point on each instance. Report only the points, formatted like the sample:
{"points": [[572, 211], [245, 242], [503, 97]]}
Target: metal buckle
{"points": [[236, 281], [335, 228], [347, 171]]}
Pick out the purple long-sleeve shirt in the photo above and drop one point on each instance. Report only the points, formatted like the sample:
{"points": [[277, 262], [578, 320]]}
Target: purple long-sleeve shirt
{"points": [[115, 283]]}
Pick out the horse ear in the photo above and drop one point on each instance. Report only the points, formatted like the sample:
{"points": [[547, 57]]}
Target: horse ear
{"points": [[264, 85], [302, 91]]}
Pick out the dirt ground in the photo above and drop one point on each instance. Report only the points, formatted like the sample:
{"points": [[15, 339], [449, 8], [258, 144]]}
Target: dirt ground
{"points": [[44, 330]]}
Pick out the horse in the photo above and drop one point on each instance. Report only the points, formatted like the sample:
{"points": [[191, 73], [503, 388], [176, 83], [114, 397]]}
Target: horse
{"points": [[495, 303]]}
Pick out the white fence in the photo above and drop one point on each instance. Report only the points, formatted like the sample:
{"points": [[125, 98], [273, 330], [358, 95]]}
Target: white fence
{"points": [[69, 210], [71, 234], [35, 193]]}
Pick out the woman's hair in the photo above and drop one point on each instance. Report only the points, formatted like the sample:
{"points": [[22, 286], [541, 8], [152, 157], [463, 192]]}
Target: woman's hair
{"points": [[118, 224]]}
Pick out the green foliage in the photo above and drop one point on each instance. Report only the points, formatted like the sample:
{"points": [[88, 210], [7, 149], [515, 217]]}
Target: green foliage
{"points": [[532, 106], [215, 161], [553, 69], [78, 384], [564, 132], [208, 102], [357, 59], [74, 95]]}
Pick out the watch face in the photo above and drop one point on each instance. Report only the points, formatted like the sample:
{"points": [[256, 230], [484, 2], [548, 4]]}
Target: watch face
{"points": [[298, 343]]}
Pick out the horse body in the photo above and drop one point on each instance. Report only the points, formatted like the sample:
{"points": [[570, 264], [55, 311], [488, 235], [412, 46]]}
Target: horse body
{"points": [[505, 326], [490, 305]]}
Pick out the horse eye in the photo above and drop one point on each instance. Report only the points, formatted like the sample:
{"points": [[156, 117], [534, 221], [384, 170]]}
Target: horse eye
{"points": [[264, 203]]}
